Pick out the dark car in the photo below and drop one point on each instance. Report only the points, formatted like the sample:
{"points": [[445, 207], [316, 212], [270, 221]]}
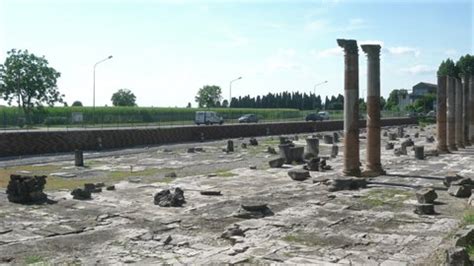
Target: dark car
{"points": [[248, 118], [314, 117]]}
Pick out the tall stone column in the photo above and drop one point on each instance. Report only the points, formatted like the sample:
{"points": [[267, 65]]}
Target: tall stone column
{"points": [[451, 91], [374, 165], [351, 107], [458, 116], [471, 110], [466, 111], [441, 115]]}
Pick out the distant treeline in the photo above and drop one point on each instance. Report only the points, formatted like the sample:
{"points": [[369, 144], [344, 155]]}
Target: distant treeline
{"points": [[293, 100]]}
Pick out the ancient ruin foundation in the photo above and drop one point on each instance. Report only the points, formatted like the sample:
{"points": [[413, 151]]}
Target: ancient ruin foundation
{"points": [[351, 107]]}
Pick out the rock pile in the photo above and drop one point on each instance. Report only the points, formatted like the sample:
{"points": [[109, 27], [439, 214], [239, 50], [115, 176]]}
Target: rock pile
{"points": [[166, 198], [253, 210], [460, 186], [26, 189]]}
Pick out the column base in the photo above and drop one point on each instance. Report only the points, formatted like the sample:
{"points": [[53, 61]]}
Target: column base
{"points": [[373, 172], [453, 148], [460, 145], [352, 172], [468, 143], [442, 149]]}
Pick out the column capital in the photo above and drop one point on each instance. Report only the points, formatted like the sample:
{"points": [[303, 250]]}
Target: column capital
{"points": [[371, 49], [349, 46]]}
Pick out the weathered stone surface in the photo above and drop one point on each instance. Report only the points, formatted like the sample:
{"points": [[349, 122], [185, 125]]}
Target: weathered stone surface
{"points": [[296, 154], [276, 163], [166, 198], [424, 208], [26, 189], [465, 236], [426, 195], [299, 174], [346, 183], [312, 147], [81, 194], [459, 191], [457, 256]]}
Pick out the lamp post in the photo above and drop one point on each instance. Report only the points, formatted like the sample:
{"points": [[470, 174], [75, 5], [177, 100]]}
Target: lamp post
{"points": [[314, 101], [230, 89], [93, 86]]}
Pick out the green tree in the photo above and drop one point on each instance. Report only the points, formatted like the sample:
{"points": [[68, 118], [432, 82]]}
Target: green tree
{"points": [[448, 68], [209, 96], [77, 103], [28, 80], [465, 65], [123, 97]]}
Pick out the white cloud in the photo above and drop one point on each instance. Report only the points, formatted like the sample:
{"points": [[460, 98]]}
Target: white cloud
{"points": [[336, 51], [419, 69], [402, 50], [283, 59], [316, 25]]}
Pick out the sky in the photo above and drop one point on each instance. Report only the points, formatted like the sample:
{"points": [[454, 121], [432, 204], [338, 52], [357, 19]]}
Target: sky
{"points": [[164, 51]]}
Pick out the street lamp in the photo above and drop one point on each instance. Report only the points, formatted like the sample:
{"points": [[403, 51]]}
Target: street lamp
{"points": [[230, 89], [93, 86], [314, 101]]}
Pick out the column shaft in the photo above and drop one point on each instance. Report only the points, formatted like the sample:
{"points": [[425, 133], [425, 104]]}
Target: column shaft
{"points": [[451, 134], [441, 115], [458, 116], [351, 107], [466, 110], [374, 165], [471, 108]]}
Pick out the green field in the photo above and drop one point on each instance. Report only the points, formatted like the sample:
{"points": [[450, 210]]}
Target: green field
{"points": [[12, 117]]}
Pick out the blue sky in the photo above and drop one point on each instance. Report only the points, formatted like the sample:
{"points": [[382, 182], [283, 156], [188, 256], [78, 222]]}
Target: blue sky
{"points": [[164, 51]]}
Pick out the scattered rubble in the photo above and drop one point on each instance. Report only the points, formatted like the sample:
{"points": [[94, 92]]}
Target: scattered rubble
{"points": [[299, 174], [26, 189], [166, 198]]}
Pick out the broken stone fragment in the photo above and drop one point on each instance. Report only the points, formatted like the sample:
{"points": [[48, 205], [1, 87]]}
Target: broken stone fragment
{"points": [[81, 194], [313, 164], [230, 146], [334, 151], [276, 163], [299, 174], [424, 208], [449, 179], [271, 150], [26, 189], [243, 145], [346, 183], [166, 198], [92, 188], [253, 211], [389, 146], [459, 191], [253, 167], [426, 195], [465, 236], [328, 139], [419, 152], [233, 231], [191, 150], [210, 193], [172, 175], [457, 256], [253, 142], [430, 139], [199, 149], [112, 187], [392, 136], [167, 240]]}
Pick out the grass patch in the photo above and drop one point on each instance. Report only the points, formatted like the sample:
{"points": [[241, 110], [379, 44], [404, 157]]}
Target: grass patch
{"points": [[468, 217], [35, 170], [390, 197], [224, 173], [470, 251], [313, 239], [32, 259]]}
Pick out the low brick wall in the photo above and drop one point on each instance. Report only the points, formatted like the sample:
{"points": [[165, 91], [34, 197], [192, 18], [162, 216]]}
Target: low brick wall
{"points": [[42, 142]]}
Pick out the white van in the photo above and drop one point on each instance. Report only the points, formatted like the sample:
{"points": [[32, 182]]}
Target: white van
{"points": [[208, 118]]}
